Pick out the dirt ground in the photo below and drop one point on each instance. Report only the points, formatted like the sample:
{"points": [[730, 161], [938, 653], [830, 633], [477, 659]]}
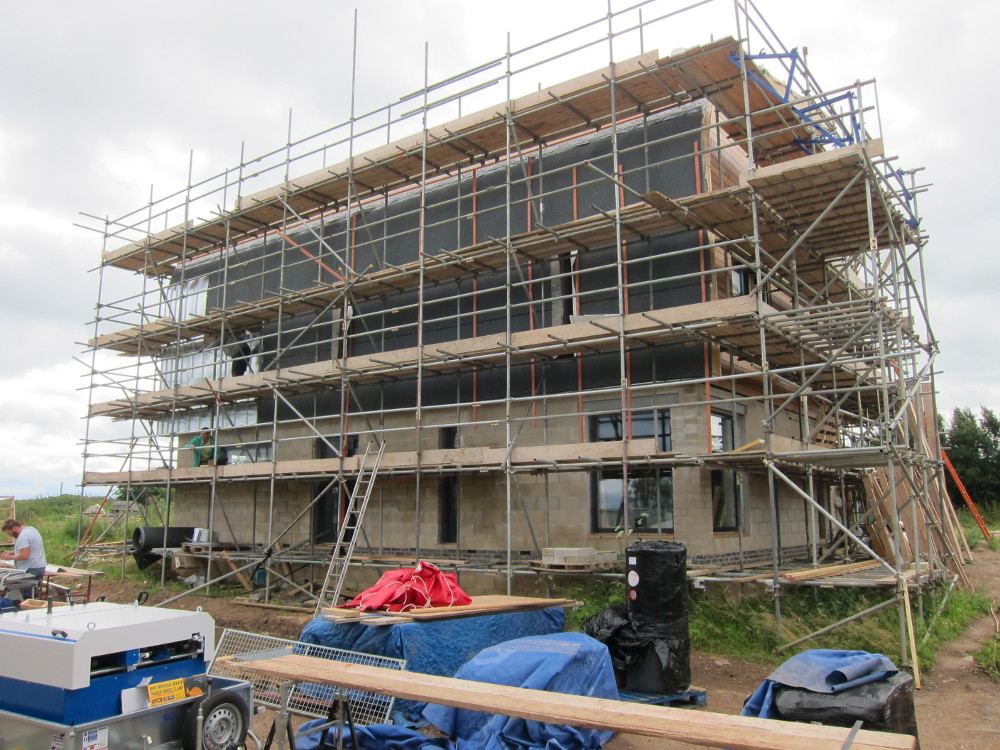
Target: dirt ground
{"points": [[957, 707]]}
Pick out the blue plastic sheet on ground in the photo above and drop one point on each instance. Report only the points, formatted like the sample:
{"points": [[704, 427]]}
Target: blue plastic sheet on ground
{"points": [[436, 647], [374, 737], [821, 671], [571, 663]]}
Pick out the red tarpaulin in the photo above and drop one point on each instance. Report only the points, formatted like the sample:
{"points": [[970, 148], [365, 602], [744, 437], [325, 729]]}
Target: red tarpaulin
{"points": [[412, 588]]}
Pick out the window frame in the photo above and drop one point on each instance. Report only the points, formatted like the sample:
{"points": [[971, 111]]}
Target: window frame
{"points": [[726, 486], [449, 490], [609, 426]]}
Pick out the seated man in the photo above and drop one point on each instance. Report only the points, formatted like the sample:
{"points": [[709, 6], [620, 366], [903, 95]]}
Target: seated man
{"points": [[28, 556]]}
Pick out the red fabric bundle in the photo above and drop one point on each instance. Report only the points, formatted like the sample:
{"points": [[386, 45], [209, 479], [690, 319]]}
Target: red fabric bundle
{"points": [[412, 588]]}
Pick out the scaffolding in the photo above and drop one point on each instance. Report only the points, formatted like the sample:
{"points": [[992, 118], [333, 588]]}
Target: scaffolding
{"points": [[679, 296]]}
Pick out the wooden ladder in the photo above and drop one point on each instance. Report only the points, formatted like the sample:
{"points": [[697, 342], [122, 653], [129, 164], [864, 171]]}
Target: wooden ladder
{"points": [[965, 496], [347, 536]]}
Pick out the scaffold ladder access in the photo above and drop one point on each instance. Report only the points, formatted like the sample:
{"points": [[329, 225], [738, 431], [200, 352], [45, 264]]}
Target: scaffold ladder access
{"points": [[347, 536], [965, 496]]}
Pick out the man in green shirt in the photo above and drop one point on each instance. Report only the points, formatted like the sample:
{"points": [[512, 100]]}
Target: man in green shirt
{"points": [[204, 450]]}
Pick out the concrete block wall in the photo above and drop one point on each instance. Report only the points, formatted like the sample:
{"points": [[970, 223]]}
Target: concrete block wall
{"points": [[242, 509], [558, 503]]}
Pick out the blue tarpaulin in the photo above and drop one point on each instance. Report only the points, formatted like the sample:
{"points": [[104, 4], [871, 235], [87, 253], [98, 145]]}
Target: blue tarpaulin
{"points": [[563, 663], [436, 647], [375, 737], [821, 671]]}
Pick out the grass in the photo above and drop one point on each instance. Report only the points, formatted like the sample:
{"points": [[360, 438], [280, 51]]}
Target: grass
{"points": [[988, 658], [990, 513], [745, 627], [58, 521], [595, 593]]}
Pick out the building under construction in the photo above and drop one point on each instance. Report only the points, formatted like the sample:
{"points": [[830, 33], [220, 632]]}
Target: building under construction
{"points": [[679, 296]]}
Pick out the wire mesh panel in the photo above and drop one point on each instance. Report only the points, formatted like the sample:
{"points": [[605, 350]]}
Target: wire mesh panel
{"points": [[308, 699]]}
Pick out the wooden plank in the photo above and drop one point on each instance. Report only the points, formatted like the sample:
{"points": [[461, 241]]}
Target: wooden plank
{"points": [[698, 727], [830, 570], [488, 604], [239, 574], [662, 324], [405, 460]]}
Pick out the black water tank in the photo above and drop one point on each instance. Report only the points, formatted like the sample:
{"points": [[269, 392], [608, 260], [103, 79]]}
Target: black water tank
{"points": [[656, 573]]}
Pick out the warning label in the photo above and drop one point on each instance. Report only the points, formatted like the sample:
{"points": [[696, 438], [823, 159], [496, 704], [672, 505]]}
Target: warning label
{"points": [[95, 739], [165, 692]]}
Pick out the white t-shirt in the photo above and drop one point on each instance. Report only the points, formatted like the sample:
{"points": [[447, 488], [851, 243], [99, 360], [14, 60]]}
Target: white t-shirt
{"points": [[30, 538]]}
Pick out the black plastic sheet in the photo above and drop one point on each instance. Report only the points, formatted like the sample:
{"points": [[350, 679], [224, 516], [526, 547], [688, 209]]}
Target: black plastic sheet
{"points": [[647, 636], [885, 706], [147, 538]]}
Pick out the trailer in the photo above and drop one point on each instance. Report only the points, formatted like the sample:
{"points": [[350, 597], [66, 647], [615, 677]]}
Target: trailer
{"points": [[104, 676]]}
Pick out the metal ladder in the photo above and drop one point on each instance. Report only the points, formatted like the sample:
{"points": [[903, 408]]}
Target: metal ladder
{"points": [[347, 536]]}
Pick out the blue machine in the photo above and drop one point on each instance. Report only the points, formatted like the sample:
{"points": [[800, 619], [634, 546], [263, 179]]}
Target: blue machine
{"points": [[70, 678], [71, 665]]}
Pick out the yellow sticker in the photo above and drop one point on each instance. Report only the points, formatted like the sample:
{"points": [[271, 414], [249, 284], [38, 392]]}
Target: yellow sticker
{"points": [[165, 692]]}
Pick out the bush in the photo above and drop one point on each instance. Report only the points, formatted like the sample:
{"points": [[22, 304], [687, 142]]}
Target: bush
{"points": [[988, 657]]}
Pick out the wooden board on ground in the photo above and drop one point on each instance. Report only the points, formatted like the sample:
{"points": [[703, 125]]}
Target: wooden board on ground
{"points": [[481, 605], [698, 727]]}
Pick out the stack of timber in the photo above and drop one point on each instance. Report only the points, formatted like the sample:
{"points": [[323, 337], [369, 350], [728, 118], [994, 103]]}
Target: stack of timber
{"points": [[937, 531], [809, 574], [915, 491], [481, 605]]}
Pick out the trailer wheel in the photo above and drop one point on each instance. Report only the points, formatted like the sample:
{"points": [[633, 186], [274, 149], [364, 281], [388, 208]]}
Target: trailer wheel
{"points": [[226, 719]]}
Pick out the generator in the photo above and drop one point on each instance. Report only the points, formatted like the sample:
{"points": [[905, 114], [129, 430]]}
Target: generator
{"points": [[104, 676]]}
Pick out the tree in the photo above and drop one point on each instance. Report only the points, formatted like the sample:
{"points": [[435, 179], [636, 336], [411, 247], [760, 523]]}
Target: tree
{"points": [[973, 446], [139, 495]]}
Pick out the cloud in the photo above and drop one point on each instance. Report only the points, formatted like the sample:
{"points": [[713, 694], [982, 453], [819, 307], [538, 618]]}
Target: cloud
{"points": [[41, 430]]}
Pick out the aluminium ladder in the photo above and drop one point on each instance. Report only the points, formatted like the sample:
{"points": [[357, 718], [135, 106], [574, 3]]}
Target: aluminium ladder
{"points": [[347, 535]]}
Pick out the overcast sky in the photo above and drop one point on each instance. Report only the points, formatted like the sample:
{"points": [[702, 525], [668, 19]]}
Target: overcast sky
{"points": [[101, 100]]}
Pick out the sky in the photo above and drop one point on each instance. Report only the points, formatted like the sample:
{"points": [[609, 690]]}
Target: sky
{"points": [[105, 102]]}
